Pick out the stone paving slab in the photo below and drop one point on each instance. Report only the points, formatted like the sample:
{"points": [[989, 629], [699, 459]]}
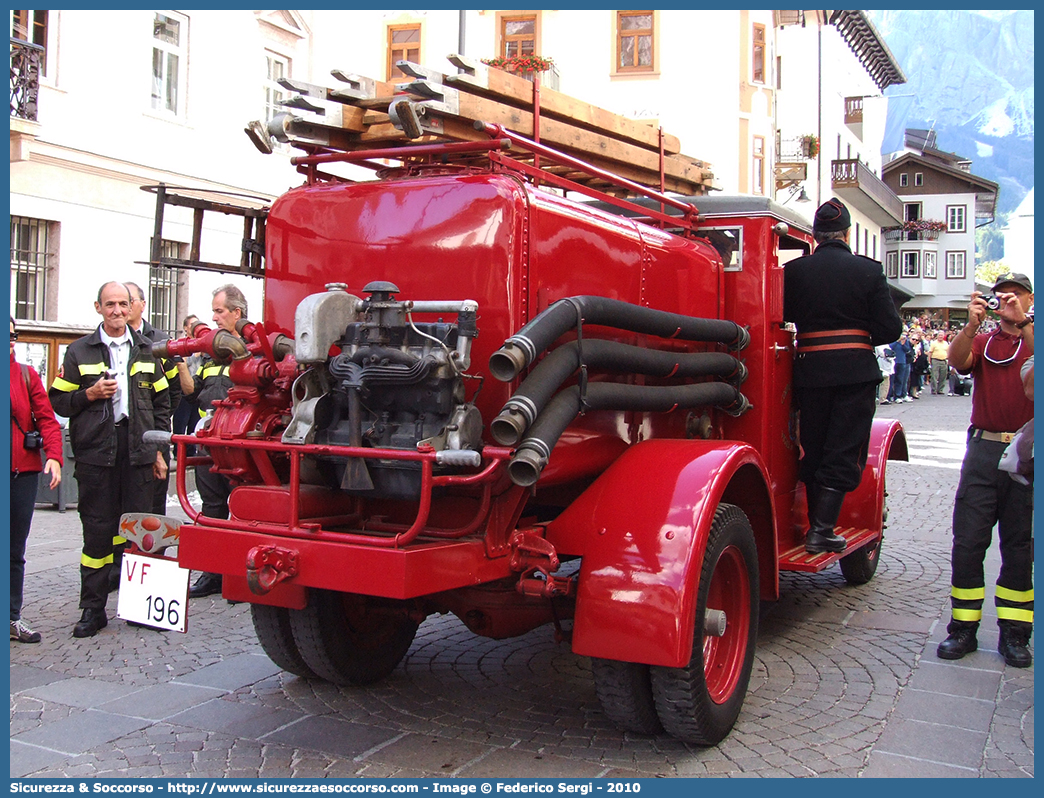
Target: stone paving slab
{"points": [[345, 739], [933, 742], [27, 759], [161, 701], [894, 766], [26, 677], [81, 732], [245, 720], [972, 714], [845, 683], [81, 692]]}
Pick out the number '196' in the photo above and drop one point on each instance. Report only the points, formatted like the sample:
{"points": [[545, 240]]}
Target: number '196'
{"points": [[163, 611]]}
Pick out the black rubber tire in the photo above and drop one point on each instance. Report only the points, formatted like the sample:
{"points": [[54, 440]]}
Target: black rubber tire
{"points": [[272, 627], [625, 692], [859, 567], [351, 639], [692, 706]]}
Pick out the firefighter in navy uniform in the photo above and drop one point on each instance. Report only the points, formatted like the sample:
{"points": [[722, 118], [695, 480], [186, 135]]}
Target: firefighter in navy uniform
{"points": [[840, 304], [112, 390], [987, 496], [209, 384]]}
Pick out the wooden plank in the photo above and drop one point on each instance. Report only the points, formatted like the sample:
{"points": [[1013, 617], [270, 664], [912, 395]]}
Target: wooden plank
{"points": [[607, 141], [583, 143], [518, 91]]}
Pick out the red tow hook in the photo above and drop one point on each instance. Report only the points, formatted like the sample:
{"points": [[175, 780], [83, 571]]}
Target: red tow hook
{"points": [[267, 566]]}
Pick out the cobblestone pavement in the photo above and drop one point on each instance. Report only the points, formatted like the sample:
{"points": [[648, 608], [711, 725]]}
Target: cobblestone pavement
{"points": [[846, 682]]}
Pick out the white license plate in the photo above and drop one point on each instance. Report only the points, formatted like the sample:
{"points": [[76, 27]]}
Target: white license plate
{"points": [[154, 592]]}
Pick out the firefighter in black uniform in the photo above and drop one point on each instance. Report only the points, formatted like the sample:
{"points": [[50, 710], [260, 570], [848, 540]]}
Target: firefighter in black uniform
{"points": [[211, 383], [842, 309], [112, 390]]}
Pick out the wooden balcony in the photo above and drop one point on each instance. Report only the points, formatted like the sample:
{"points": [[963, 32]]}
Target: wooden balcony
{"points": [[790, 174], [855, 184], [853, 110]]}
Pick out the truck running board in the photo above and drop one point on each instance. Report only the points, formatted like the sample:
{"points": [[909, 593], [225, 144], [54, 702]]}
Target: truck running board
{"points": [[797, 559]]}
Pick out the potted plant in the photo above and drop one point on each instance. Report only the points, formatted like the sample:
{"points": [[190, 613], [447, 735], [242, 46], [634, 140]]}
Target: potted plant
{"points": [[810, 145], [520, 64]]}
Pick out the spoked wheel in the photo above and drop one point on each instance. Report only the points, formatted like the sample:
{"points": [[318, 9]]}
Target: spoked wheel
{"points": [[351, 639], [272, 627], [700, 702], [625, 692]]}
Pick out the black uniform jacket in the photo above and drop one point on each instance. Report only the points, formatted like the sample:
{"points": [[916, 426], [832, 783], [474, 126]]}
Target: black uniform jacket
{"points": [[92, 430], [833, 289], [170, 367], [212, 383]]}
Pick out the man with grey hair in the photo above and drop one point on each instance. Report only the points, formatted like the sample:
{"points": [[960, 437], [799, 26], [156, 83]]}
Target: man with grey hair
{"points": [[209, 384], [112, 390]]}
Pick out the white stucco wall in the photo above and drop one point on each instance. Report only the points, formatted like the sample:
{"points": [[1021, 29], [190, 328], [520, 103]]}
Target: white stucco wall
{"points": [[1019, 239]]}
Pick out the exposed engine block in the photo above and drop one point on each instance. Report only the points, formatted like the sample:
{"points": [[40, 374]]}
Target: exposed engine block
{"points": [[394, 384]]}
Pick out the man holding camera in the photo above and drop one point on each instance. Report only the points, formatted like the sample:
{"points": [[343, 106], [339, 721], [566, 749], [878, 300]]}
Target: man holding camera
{"points": [[112, 390], [986, 495]]}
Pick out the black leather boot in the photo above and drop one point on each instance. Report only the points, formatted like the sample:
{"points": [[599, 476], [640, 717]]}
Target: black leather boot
{"points": [[1013, 645], [207, 585], [91, 622], [823, 509], [960, 641]]}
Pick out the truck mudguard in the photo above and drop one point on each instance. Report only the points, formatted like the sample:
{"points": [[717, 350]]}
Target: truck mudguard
{"points": [[642, 530], [863, 507]]}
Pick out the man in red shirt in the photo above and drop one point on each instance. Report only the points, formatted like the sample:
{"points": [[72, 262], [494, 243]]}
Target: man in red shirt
{"points": [[986, 495]]}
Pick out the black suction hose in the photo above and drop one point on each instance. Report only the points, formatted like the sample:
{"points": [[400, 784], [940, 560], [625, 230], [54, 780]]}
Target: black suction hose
{"points": [[523, 347], [533, 453], [547, 376]]}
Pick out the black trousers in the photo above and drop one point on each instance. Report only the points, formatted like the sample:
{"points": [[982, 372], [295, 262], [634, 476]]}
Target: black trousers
{"points": [[214, 490], [105, 493], [986, 497], [835, 433]]}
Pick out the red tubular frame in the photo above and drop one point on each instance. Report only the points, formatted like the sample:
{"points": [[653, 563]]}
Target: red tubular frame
{"points": [[496, 458], [399, 153], [688, 218]]}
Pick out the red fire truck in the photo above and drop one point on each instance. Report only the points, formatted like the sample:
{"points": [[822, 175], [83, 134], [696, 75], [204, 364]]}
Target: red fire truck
{"points": [[485, 387]]}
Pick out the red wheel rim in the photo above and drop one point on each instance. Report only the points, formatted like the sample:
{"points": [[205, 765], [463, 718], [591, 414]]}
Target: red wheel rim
{"points": [[723, 656]]}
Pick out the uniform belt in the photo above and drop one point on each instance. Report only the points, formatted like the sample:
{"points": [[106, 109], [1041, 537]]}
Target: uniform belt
{"points": [[999, 437], [828, 340]]}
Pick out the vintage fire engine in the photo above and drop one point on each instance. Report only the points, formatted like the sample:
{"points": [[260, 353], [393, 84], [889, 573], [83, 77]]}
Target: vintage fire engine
{"points": [[501, 383]]}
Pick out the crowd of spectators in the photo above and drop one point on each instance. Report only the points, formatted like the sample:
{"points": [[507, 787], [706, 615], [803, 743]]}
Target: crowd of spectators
{"points": [[917, 361]]}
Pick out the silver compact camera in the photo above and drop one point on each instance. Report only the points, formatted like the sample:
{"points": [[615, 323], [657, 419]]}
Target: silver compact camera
{"points": [[991, 301]]}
